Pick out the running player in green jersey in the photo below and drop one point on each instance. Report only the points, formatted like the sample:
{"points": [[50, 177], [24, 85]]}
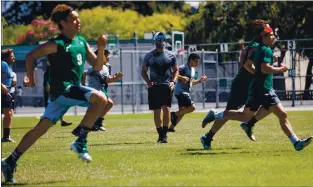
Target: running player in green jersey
{"points": [[261, 92], [239, 90], [66, 53]]}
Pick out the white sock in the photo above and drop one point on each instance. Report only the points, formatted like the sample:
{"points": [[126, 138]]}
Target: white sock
{"points": [[219, 115], [293, 138]]}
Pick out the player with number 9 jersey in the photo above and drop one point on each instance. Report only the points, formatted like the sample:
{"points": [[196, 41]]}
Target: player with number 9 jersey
{"points": [[67, 65]]}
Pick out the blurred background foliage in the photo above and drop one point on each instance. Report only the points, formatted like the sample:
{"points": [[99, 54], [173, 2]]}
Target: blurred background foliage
{"points": [[209, 22]]}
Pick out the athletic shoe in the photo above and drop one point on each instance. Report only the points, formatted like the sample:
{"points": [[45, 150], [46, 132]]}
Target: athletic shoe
{"points": [[248, 130], [94, 127], [160, 139], [80, 148], [8, 171], [100, 124], [206, 142], [208, 118], [173, 118], [171, 130], [64, 123], [101, 128], [300, 144], [9, 139], [164, 140]]}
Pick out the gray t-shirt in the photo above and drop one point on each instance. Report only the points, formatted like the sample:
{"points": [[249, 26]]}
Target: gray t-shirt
{"points": [[160, 66], [181, 87], [97, 79]]}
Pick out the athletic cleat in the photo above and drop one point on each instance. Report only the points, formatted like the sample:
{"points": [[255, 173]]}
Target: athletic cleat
{"points": [[208, 118], [9, 139], [300, 144], [164, 140], [80, 148], [160, 139], [173, 118], [8, 171], [248, 131], [98, 125], [95, 127], [64, 123], [101, 128], [171, 130], [206, 143]]}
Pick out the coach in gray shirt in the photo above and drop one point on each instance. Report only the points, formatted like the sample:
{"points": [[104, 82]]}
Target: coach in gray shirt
{"points": [[163, 75]]}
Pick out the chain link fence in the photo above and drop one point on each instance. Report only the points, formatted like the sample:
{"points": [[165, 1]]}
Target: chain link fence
{"points": [[221, 66]]}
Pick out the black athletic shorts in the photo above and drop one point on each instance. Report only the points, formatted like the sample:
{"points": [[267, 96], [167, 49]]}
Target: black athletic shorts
{"points": [[158, 96]]}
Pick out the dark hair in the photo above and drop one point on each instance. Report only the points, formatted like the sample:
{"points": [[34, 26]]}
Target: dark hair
{"points": [[105, 51], [5, 53], [60, 12], [258, 26], [193, 56]]}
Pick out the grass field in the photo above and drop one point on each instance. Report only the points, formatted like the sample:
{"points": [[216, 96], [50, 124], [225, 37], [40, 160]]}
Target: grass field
{"points": [[128, 155]]}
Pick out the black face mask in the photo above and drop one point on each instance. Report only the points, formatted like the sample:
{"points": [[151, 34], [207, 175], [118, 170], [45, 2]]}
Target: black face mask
{"points": [[160, 43]]}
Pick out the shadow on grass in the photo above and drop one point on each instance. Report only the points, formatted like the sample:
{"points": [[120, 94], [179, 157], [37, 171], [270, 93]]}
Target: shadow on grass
{"points": [[212, 152], [230, 152], [130, 143], [199, 149], [31, 184]]}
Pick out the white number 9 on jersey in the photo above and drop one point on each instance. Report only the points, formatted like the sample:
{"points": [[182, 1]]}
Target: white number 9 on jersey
{"points": [[79, 59]]}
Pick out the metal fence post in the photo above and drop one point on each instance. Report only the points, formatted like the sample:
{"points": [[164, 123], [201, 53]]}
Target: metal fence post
{"points": [[202, 84], [132, 77], [217, 92], [121, 69], [293, 79], [75, 111]]}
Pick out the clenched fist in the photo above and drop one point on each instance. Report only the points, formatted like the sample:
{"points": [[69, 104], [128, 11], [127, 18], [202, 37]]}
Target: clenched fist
{"points": [[102, 40]]}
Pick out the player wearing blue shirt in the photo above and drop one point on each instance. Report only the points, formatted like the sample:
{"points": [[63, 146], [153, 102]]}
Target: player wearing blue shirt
{"points": [[7, 104], [182, 89]]}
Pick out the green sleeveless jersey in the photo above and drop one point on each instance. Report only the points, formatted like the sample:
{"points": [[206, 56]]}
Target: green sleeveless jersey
{"points": [[67, 64], [262, 82], [244, 77]]}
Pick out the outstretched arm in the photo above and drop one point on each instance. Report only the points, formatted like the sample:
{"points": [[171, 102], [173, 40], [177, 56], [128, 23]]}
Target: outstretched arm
{"points": [[42, 50]]}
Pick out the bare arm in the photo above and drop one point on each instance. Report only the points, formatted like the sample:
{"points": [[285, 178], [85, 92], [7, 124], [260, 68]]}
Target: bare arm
{"points": [[249, 66], [95, 61], [83, 81], [42, 50], [13, 83], [4, 89], [144, 74], [267, 68], [202, 78], [115, 77], [182, 78], [175, 73]]}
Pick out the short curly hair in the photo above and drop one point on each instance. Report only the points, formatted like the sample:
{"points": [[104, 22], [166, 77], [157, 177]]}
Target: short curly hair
{"points": [[60, 12], [258, 26], [5, 53]]}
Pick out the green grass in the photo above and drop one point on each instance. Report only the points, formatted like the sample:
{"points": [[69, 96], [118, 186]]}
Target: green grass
{"points": [[128, 155]]}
